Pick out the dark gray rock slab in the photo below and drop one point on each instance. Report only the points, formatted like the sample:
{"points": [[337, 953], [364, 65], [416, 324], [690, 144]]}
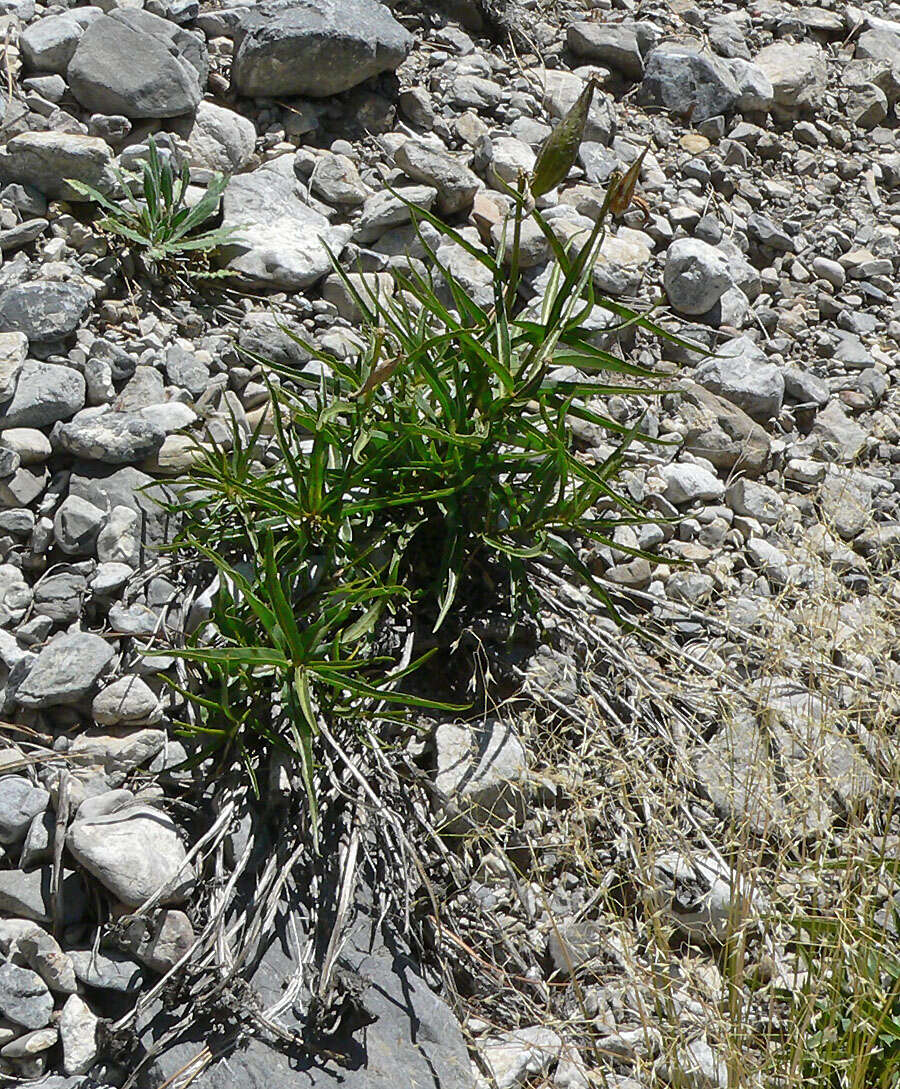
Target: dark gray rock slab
{"points": [[316, 47]]}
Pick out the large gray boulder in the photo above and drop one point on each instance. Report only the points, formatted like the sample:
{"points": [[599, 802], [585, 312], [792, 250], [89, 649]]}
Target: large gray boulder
{"points": [[685, 81], [402, 1036], [316, 47], [278, 238], [135, 64], [47, 160]]}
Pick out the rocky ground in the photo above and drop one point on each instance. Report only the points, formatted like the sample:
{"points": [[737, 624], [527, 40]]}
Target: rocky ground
{"points": [[610, 827]]}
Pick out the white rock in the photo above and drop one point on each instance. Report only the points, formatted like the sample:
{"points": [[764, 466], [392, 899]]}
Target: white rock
{"points": [[514, 1058], [696, 275], [480, 771], [132, 849], [741, 373], [78, 1035], [13, 351], [278, 238], [686, 483], [47, 160], [700, 896], [218, 139], [798, 74]]}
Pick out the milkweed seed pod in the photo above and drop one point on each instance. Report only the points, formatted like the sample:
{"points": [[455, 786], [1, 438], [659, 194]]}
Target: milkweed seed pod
{"points": [[558, 152]]}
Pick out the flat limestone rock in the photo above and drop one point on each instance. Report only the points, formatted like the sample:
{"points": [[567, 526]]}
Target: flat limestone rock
{"points": [[279, 240]]}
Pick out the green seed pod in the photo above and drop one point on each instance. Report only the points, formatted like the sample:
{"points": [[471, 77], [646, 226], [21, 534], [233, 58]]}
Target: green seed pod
{"points": [[557, 155]]}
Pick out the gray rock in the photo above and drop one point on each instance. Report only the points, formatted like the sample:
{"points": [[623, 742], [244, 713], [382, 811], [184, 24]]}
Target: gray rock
{"points": [[798, 75], [134, 64], [369, 287], [385, 210], [829, 270], [265, 336], [160, 943], [48, 44], [127, 701], [754, 499], [23, 487], [26, 895], [45, 956], [336, 180], [115, 752], [867, 106], [24, 997], [116, 438], [31, 1043], [411, 1041], [680, 79], [15, 594], [755, 91], [846, 501], [571, 945], [65, 670], [514, 1057], [480, 773], [727, 38], [690, 587], [45, 393], [126, 487], [767, 232], [76, 525], [621, 261], [316, 49], [560, 90], [185, 370], [722, 433], [59, 596], [703, 898], [44, 311], [78, 1035], [879, 45], [613, 44], [46, 160], [279, 239], [132, 849], [741, 373], [695, 276], [456, 185], [218, 139], [508, 157], [840, 437], [20, 803], [108, 971], [134, 619], [32, 445]]}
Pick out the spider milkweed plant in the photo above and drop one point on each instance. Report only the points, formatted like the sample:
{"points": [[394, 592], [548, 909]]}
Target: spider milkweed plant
{"points": [[435, 467]]}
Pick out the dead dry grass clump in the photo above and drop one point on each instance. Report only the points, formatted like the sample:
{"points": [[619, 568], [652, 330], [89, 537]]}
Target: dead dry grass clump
{"points": [[709, 873]]}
